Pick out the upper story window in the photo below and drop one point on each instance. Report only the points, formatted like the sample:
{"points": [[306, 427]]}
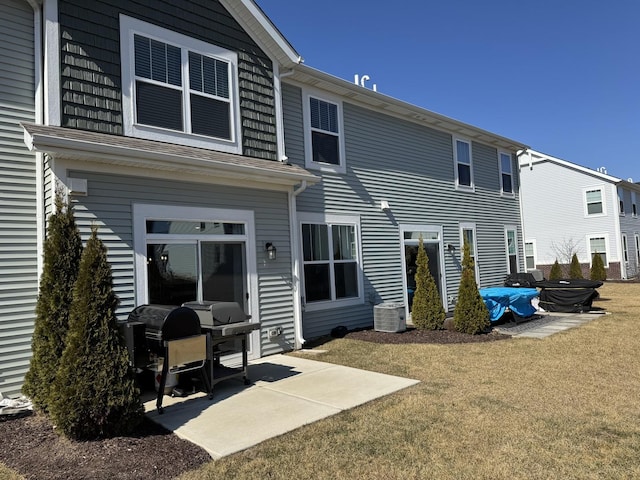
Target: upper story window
{"points": [[621, 201], [324, 138], [594, 204], [463, 163], [178, 89], [506, 173], [634, 205]]}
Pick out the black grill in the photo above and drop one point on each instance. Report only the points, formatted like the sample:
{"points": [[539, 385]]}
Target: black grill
{"points": [[174, 334]]}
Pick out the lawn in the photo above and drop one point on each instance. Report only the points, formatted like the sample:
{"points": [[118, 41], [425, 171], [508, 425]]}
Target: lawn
{"points": [[564, 407]]}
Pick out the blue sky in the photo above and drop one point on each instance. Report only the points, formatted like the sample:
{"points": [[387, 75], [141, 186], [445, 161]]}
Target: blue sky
{"points": [[562, 76]]}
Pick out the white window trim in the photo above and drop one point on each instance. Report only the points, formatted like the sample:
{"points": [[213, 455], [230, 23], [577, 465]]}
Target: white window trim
{"points": [[129, 26], [471, 226], [602, 199], [512, 193], [466, 188], [308, 145], [506, 247], [535, 254], [330, 219], [625, 248], [606, 246]]}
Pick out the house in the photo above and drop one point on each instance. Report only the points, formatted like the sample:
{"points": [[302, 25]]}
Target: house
{"points": [[218, 167], [570, 209]]}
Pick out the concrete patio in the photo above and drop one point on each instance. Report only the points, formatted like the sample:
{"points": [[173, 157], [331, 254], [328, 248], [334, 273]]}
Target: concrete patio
{"points": [[287, 393]]}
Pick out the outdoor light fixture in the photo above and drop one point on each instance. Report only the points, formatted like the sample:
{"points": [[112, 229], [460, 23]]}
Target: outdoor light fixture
{"points": [[451, 247], [384, 205], [271, 251]]}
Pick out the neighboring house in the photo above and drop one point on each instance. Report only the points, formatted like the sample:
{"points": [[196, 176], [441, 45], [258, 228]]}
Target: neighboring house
{"points": [[166, 127], [568, 208]]}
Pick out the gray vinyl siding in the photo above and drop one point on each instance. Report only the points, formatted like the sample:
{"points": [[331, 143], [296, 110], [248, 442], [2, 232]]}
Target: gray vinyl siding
{"points": [[109, 205], [18, 233], [411, 166], [630, 226], [90, 58]]}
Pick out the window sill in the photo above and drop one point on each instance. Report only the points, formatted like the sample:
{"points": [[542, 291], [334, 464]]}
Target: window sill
{"points": [[327, 168], [465, 188], [180, 138]]}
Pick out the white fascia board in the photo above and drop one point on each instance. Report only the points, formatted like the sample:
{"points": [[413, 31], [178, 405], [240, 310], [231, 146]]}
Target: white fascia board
{"points": [[349, 91], [538, 157], [256, 23]]}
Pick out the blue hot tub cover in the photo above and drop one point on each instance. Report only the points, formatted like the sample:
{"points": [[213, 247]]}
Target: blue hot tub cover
{"points": [[518, 300]]}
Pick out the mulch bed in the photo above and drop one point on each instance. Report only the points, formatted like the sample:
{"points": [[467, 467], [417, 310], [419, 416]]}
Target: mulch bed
{"points": [[31, 446], [413, 335]]}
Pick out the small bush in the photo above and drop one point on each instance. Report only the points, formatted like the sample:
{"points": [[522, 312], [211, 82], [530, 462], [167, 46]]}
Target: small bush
{"points": [[556, 271], [427, 311], [598, 271], [62, 251], [94, 393], [470, 314], [575, 270]]}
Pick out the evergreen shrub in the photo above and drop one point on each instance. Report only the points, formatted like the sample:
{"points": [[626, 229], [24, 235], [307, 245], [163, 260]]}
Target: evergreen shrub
{"points": [[598, 271], [62, 251], [556, 271], [427, 312], [575, 270], [470, 314], [94, 393]]}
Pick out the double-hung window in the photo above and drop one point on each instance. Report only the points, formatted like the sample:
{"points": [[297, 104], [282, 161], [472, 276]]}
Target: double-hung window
{"points": [[178, 89], [331, 261], [621, 201], [324, 134], [634, 205], [463, 164], [594, 204], [506, 174], [530, 255], [598, 246]]}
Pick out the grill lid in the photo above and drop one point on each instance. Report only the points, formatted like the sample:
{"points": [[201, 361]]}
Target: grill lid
{"points": [[168, 320], [218, 313]]}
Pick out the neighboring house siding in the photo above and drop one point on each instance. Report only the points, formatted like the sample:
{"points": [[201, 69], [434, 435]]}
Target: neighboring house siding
{"points": [[109, 206], [18, 232], [554, 211], [630, 226], [90, 62], [410, 166]]}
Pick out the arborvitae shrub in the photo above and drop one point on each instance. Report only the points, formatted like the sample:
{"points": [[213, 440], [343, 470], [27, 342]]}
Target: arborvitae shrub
{"points": [[62, 250], [94, 393], [427, 311], [470, 314], [556, 271], [575, 270], [597, 268]]}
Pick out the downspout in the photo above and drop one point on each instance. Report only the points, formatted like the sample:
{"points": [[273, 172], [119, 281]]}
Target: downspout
{"points": [[295, 267], [618, 232], [522, 223], [38, 41]]}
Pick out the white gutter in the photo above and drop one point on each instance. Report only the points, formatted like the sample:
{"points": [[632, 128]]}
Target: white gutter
{"points": [[295, 264]]}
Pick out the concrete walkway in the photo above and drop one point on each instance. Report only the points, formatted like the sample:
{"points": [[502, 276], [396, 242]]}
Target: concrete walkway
{"points": [[548, 323], [288, 392]]}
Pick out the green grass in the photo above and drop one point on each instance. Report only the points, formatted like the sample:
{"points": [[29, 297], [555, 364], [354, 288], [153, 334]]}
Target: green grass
{"points": [[565, 407]]}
